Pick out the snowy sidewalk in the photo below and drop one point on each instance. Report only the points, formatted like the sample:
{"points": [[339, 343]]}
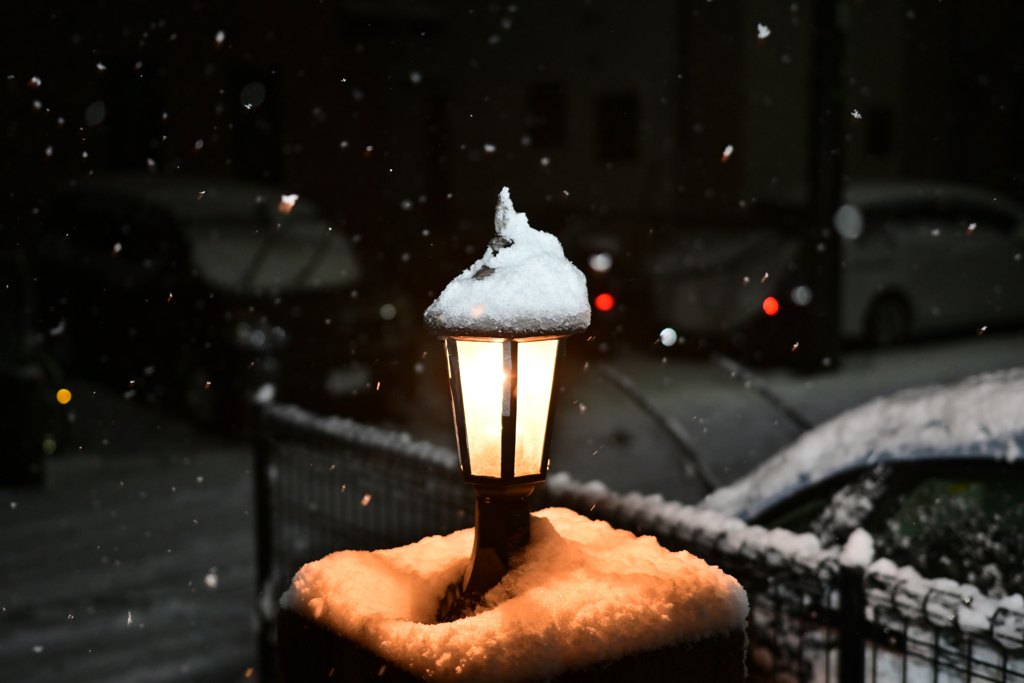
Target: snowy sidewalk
{"points": [[135, 562]]}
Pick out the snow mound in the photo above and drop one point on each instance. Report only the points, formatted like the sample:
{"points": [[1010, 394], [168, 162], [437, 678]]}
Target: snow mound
{"points": [[859, 549], [581, 593], [977, 417], [523, 286]]}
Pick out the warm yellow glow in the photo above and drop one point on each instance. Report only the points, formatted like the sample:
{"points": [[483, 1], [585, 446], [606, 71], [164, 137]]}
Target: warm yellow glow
{"points": [[481, 367], [536, 370], [63, 396]]}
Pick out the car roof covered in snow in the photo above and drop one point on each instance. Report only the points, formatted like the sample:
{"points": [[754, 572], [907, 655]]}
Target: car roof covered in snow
{"points": [[979, 417]]}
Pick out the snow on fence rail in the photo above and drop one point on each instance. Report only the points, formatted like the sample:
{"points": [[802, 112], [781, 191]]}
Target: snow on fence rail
{"points": [[910, 628], [688, 526], [356, 433], [817, 614], [941, 602]]}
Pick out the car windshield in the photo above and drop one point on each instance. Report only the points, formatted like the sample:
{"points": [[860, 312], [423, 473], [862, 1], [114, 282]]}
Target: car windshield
{"points": [[297, 254], [968, 527]]}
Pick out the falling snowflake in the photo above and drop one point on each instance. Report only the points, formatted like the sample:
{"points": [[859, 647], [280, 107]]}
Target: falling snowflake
{"points": [[287, 203], [129, 619], [366, 499], [35, 82], [971, 228], [763, 31], [219, 38], [726, 153], [490, 149], [764, 277], [856, 114]]}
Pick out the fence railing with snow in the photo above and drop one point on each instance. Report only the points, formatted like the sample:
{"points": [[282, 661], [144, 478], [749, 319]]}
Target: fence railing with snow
{"points": [[913, 627], [328, 483]]}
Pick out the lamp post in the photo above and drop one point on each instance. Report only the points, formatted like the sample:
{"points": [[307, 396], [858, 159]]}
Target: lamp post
{"points": [[504, 322]]}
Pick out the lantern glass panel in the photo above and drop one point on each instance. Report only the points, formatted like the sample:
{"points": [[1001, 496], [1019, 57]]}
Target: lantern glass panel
{"points": [[481, 369], [534, 376]]}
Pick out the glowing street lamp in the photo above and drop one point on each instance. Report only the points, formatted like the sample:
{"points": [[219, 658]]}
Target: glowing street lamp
{"points": [[504, 322]]}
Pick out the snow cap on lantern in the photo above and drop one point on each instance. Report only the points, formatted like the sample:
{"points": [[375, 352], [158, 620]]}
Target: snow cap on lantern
{"points": [[522, 287]]}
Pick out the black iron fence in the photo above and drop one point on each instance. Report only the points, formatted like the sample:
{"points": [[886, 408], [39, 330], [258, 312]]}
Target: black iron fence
{"points": [[327, 484]]}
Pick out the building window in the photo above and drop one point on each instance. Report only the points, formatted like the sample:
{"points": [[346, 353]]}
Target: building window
{"points": [[618, 127], [545, 117]]}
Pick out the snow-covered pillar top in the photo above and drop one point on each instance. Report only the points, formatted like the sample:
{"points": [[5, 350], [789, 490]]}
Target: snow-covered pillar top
{"points": [[523, 286]]}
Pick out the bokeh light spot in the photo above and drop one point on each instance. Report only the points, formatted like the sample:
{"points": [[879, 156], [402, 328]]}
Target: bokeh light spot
{"points": [[63, 397], [604, 302], [770, 305]]}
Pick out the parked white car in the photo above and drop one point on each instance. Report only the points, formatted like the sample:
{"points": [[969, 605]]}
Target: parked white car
{"points": [[923, 258], [917, 259]]}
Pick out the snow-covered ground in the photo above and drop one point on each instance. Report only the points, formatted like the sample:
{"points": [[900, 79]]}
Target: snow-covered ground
{"points": [[136, 561]]}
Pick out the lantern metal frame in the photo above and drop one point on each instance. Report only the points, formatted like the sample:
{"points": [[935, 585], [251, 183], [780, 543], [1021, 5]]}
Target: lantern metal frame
{"points": [[502, 518], [509, 413]]}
